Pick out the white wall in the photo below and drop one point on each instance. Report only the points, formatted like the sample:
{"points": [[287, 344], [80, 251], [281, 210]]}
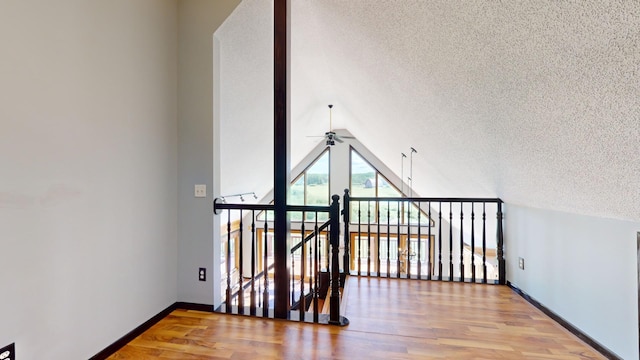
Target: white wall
{"points": [[246, 98], [582, 268], [198, 20], [88, 172]]}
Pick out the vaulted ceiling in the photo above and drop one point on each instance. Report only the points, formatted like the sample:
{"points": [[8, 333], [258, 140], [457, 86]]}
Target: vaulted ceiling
{"points": [[536, 102]]}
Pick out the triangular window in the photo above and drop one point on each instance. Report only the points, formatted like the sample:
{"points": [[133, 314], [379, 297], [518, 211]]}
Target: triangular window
{"points": [[367, 181], [311, 187]]}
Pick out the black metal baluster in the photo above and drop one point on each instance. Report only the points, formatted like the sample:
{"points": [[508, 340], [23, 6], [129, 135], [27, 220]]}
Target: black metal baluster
{"points": [[316, 270], [252, 306], [240, 266], [398, 255], [368, 238], [429, 264], [292, 277], [378, 238], [310, 266], [358, 241], [450, 242], [260, 291], [388, 238], [265, 276], [440, 241], [461, 242], [326, 247], [302, 306], [473, 243], [419, 242], [311, 271], [228, 292], [408, 259], [484, 244]]}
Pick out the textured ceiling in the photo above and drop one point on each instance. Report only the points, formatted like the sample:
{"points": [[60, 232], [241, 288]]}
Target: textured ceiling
{"points": [[536, 102]]}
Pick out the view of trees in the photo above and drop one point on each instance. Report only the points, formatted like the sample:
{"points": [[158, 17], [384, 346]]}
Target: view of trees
{"points": [[361, 178], [317, 179]]}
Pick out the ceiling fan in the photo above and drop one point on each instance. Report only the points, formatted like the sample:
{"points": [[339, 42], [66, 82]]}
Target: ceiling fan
{"points": [[330, 136]]}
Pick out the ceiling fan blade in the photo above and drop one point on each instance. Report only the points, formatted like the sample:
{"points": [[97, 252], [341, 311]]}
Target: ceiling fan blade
{"points": [[338, 138]]}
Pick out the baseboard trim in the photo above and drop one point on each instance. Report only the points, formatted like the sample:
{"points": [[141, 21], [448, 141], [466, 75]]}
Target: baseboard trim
{"points": [[118, 344], [567, 325], [194, 306]]}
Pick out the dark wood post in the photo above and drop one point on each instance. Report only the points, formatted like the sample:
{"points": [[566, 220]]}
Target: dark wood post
{"points": [[451, 242], [240, 268], [281, 158], [440, 240], [228, 292], [484, 243], [502, 277], [473, 243], [265, 269], [334, 237], [252, 306], [462, 242]]}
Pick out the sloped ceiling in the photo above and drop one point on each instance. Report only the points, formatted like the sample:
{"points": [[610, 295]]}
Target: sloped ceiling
{"points": [[536, 102]]}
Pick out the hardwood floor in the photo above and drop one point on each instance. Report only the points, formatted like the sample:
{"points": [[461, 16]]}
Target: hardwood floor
{"points": [[390, 319]]}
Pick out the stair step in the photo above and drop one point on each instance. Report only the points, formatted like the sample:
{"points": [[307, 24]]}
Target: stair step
{"points": [[326, 309]]}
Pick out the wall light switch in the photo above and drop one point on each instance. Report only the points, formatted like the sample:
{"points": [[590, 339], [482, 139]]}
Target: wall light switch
{"points": [[200, 191], [521, 263]]}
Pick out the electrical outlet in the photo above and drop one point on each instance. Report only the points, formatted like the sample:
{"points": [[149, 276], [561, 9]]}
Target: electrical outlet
{"points": [[202, 274], [8, 352], [200, 190], [521, 263]]}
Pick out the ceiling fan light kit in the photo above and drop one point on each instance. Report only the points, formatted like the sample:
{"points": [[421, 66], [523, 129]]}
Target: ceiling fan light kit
{"points": [[330, 136]]}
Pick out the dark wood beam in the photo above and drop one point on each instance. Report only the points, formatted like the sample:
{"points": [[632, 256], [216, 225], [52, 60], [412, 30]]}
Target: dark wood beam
{"points": [[281, 157]]}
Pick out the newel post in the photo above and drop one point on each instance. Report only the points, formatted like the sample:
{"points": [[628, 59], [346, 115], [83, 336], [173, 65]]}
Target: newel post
{"points": [[502, 276], [334, 240]]}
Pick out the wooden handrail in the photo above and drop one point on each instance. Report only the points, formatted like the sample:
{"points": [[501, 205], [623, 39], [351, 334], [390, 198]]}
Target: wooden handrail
{"points": [[310, 236], [427, 199], [248, 283]]}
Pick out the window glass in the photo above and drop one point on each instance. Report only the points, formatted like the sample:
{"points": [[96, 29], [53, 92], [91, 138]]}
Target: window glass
{"points": [[317, 181], [317, 186], [296, 197], [297, 191], [310, 188], [388, 209], [363, 184], [366, 181], [363, 176], [385, 189]]}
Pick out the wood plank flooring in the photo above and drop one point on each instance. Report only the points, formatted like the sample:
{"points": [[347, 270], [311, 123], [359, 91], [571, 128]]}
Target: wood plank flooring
{"points": [[390, 319]]}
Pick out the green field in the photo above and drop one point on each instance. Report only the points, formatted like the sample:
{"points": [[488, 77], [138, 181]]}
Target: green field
{"points": [[318, 194]]}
